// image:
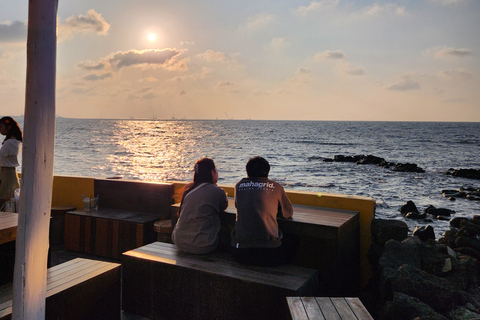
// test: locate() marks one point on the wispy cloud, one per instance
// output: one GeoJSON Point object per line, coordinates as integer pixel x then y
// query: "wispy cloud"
{"type": "Point", "coordinates": [448, 52]}
{"type": "Point", "coordinates": [220, 57]}
{"type": "Point", "coordinates": [330, 55]}
{"type": "Point", "coordinates": [95, 77]}
{"type": "Point", "coordinates": [150, 58]}
{"type": "Point", "coordinates": [91, 22]}
{"type": "Point", "coordinates": [387, 9]}
{"type": "Point", "coordinates": [460, 74]}
{"type": "Point", "coordinates": [447, 2]}
{"type": "Point", "coordinates": [404, 85]}
{"type": "Point", "coordinates": [13, 31]}
{"type": "Point", "coordinates": [258, 21]}
{"type": "Point", "coordinates": [353, 70]}
{"type": "Point", "coordinates": [316, 6]}
{"type": "Point", "coordinates": [278, 43]}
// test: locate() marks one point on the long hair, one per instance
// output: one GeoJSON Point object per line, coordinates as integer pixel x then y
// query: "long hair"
{"type": "Point", "coordinates": [202, 173]}
{"type": "Point", "coordinates": [14, 130]}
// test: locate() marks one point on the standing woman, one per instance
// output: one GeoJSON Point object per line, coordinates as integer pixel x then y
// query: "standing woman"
{"type": "Point", "coordinates": [198, 226]}
{"type": "Point", "coordinates": [9, 158]}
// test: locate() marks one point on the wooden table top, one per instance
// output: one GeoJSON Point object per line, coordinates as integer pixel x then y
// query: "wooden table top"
{"type": "Point", "coordinates": [8, 226]}
{"type": "Point", "coordinates": [116, 214]}
{"type": "Point", "coordinates": [325, 308]}
{"type": "Point", "coordinates": [326, 217]}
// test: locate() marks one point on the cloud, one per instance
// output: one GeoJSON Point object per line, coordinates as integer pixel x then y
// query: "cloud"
{"type": "Point", "coordinates": [225, 83]}
{"type": "Point", "coordinates": [211, 55]}
{"type": "Point", "coordinates": [388, 9]}
{"type": "Point", "coordinates": [333, 55]}
{"type": "Point", "coordinates": [446, 2]}
{"type": "Point", "coordinates": [258, 21]}
{"type": "Point", "coordinates": [278, 43]}
{"type": "Point", "coordinates": [404, 85]}
{"type": "Point", "coordinates": [94, 77]}
{"type": "Point", "coordinates": [150, 57]}
{"type": "Point", "coordinates": [92, 22]}
{"type": "Point", "coordinates": [316, 6]}
{"type": "Point", "coordinates": [447, 52]}
{"type": "Point", "coordinates": [15, 31]}
{"type": "Point", "coordinates": [220, 57]}
{"type": "Point", "coordinates": [354, 70]}
{"type": "Point", "coordinates": [460, 74]}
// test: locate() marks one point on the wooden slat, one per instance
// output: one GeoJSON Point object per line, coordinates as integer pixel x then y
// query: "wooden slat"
{"type": "Point", "coordinates": [286, 276]}
{"type": "Point", "coordinates": [343, 309]}
{"type": "Point", "coordinates": [328, 309]}
{"type": "Point", "coordinates": [325, 308]}
{"type": "Point", "coordinates": [62, 277]}
{"type": "Point", "coordinates": [312, 308]}
{"type": "Point", "coordinates": [359, 309]}
{"type": "Point", "coordinates": [297, 310]}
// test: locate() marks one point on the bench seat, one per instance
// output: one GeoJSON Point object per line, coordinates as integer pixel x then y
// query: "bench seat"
{"type": "Point", "coordinates": [159, 282]}
{"type": "Point", "coordinates": [325, 308]}
{"type": "Point", "coordinates": [79, 289]}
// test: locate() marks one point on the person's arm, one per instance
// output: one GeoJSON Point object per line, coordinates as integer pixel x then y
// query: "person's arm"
{"type": "Point", "coordinates": [285, 209]}
{"type": "Point", "coordinates": [224, 200]}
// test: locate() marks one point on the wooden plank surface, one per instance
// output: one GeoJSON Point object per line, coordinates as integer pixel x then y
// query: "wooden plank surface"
{"type": "Point", "coordinates": [285, 276]}
{"type": "Point", "coordinates": [120, 215]}
{"type": "Point", "coordinates": [8, 226]}
{"type": "Point", "coordinates": [69, 275]}
{"type": "Point", "coordinates": [327, 308]}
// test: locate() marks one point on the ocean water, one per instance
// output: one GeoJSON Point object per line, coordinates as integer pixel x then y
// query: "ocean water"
{"type": "Point", "coordinates": [165, 150]}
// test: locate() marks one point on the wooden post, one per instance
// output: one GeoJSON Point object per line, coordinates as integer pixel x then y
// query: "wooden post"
{"type": "Point", "coordinates": [30, 275]}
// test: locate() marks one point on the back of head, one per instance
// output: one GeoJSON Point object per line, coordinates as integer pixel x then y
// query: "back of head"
{"type": "Point", "coordinates": [203, 171]}
{"type": "Point", "coordinates": [258, 167]}
{"type": "Point", "coordinates": [13, 128]}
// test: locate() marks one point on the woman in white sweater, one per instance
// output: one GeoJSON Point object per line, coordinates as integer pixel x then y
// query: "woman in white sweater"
{"type": "Point", "coordinates": [9, 158]}
{"type": "Point", "coordinates": [198, 226]}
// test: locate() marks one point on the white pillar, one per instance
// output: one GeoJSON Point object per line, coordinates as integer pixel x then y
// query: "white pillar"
{"type": "Point", "coordinates": [30, 276]}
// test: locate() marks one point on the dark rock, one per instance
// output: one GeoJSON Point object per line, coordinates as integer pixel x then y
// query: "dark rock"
{"type": "Point", "coordinates": [403, 307]}
{"type": "Point", "coordinates": [439, 211]}
{"type": "Point", "coordinates": [443, 218]}
{"type": "Point", "coordinates": [455, 222]}
{"type": "Point", "coordinates": [415, 215]}
{"type": "Point", "coordinates": [453, 194]}
{"type": "Point", "coordinates": [384, 230]}
{"type": "Point", "coordinates": [340, 158]}
{"type": "Point", "coordinates": [409, 206]}
{"type": "Point", "coordinates": [397, 253]}
{"type": "Point", "coordinates": [462, 313]}
{"type": "Point", "coordinates": [464, 173]}
{"type": "Point", "coordinates": [466, 272]}
{"type": "Point", "coordinates": [468, 242]}
{"type": "Point", "coordinates": [369, 159]}
{"type": "Point", "coordinates": [437, 292]}
{"type": "Point", "coordinates": [424, 233]}
{"type": "Point", "coordinates": [407, 167]}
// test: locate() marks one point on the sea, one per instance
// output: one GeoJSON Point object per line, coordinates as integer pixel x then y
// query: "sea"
{"type": "Point", "coordinates": [166, 150]}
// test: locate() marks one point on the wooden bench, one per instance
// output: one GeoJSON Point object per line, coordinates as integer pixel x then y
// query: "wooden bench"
{"type": "Point", "coordinates": [159, 282]}
{"type": "Point", "coordinates": [78, 289]}
{"type": "Point", "coordinates": [329, 243]}
{"type": "Point", "coordinates": [124, 220]}
{"type": "Point", "coordinates": [324, 308]}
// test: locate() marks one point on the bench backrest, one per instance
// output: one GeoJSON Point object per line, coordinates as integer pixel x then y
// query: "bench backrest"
{"type": "Point", "coordinates": [135, 195]}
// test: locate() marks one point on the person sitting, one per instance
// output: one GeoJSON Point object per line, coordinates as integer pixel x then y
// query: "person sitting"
{"type": "Point", "coordinates": [9, 158]}
{"type": "Point", "coordinates": [198, 226]}
{"type": "Point", "coordinates": [256, 238]}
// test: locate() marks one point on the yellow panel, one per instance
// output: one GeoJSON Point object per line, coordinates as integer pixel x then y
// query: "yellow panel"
{"type": "Point", "coordinates": [67, 191]}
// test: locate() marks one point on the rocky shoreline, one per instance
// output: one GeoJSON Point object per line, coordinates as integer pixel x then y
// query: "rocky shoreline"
{"type": "Point", "coordinates": [416, 277]}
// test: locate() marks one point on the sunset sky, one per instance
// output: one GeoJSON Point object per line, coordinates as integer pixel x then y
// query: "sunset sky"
{"type": "Point", "coordinates": [405, 60]}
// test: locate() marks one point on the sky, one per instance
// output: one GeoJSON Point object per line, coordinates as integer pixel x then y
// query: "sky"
{"type": "Point", "coordinates": [404, 60]}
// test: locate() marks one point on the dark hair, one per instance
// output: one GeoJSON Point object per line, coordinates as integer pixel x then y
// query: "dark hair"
{"type": "Point", "coordinates": [258, 167]}
{"type": "Point", "coordinates": [202, 173]}
{"type": "Point", "coordinates": [14, 130]}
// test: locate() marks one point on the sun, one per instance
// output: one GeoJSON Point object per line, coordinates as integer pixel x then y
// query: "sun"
{"type": "Point", "coordinates": [151, 37]}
